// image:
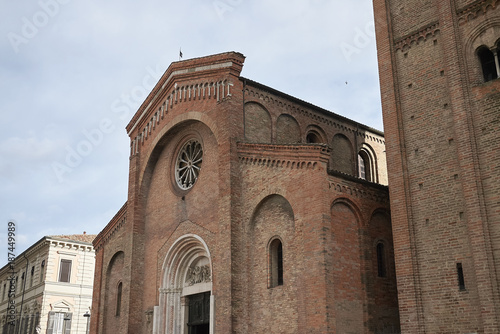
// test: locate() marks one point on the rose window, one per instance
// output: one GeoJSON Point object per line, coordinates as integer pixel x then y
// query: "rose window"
{"type": "Point", "coordinates": [188, 165]}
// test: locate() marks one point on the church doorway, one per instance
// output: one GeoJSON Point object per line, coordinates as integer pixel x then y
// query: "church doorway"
{"type": "Point", "coordinates": [199, 313]}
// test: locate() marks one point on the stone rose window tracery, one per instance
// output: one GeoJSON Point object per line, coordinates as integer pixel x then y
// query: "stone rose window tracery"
{"type": "Point", "coordinates": [188, 164]}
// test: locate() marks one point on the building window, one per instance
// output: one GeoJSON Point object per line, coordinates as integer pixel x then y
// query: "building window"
{"type": "Point", "coordinates": [364, 166]}
{"type": "Point", "coordinates": [381, 266]}
{"type": "Point", "coordinates": [65, 271]}
{"type": "Point", "coordinates": [313, 138]}
{"type": "Point", "coordinates": [4, 289]}
{"type": "Point", "coordinates": [32, 276]}
{"type": "Point", "coordinates": [118, 299]}
{"type": "Point", "coordinates": [489, 62]}
{"type": "Point", "coordinates": [42, 267]}
{"type": "Point", "coordinates": [276, 263]}
{"type": "Point", "coordinates": [460, 276]}
{"type": "Point", "coordinates": [59, 323]}
{"type": "Point", "coordinates": [188, 164]}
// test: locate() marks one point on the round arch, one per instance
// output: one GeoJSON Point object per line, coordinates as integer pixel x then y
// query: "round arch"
{"type": "Point", "coordinates": [152, 153]}
{"type": "Point", "coordinates": [186, 271]}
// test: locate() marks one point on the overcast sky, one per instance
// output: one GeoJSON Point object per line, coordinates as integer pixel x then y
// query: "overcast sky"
{"type": "Point", "coordinates": [64, 64]}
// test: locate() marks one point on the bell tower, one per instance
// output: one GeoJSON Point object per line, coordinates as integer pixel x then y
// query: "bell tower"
{"type": "Point", "coordinates": [439, 68]}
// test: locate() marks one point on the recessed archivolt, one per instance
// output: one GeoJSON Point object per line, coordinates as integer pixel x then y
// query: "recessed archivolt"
{"type": "Point", "coordinates": [184, 252]}
{"type": "Point", "coordinates": [155, 148]}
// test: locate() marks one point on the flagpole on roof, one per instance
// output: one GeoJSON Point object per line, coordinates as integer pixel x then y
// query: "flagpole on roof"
{"type": "Point", "coordinates": [180, 53]}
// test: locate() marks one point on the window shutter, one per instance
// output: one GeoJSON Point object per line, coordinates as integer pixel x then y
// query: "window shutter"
{"type": "Point", "coordinates": [50, 324]}
{"type": "Point", "coordinates": [67, 323]}
{"type": "Point", "coordinates": [65, 271]}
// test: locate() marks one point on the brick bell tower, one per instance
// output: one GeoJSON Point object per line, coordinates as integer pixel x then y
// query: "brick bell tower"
{"type": "Point", "coordinates": [439, 64]}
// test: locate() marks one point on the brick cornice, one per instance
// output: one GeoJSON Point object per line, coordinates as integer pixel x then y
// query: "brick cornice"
{"type": "Point", "coordinates": [229, 62]}
{"type": "Point", "coordinates": [114, 225]}
{"type": "Point", "coordinates": [416, 36]}
{"type": "Point", "coordinates": [475, 9]}
{"type": "Point", "coordinates": [381, 194]}
{"type": "Point", "coordinates": [283, 156]}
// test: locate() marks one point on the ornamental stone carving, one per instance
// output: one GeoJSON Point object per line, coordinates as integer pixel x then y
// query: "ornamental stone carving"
{"type": "Point", "coordinates": [198, 274]}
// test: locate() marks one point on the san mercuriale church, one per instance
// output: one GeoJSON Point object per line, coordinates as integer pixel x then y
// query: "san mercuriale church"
{"type": "Point", "coordinates": [253, 211]}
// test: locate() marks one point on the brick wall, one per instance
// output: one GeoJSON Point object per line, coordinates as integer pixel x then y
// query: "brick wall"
{"type": "Point", "coordinates": [259, 180]}
{"type": "Point", "coordinates": [436, 119]}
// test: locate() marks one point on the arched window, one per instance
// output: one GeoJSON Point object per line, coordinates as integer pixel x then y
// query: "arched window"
{"type": "Point", "coordinates": [488, 65]}
{"type": "Point", "coordinates": [313, 138]}
{"type": "Point", "coordinates": [276, 263]}
{"type": "Point", "coordinates": [365, 166]}
{"type": "Point", "coordinates": [381, 266]}
{"type": "Point", "coordinates": [118, 299]}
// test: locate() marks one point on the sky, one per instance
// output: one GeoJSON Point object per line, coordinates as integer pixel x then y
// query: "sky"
{"type": "Point", "coordinates": [66, 64]}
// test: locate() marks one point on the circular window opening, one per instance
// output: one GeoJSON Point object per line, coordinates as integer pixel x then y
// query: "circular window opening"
{"type": "Point", "coordinates": [188, 164]}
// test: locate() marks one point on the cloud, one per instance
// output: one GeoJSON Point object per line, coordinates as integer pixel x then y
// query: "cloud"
{"type": "Point", "coordinates": [62, 84]}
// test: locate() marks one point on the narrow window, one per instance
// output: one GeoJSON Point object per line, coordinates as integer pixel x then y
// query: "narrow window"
{"type": "Point", "coordinates": [364, 166]}
{"type": "Point", "coordinates": [32, 276]}
{"type": "Point", "coordinates": [42, 267]}
{"type": "Point", "coordinates": [4, 288]}
{"type": "Point", "coordinates": [65, 271]}
{"type": "Point", "coordinates": [460, 276]}
{"type": "Point", "coordinates": [276, 255]}
{"type": "Point", "coordinates": [21, 287]}
{"type": "Point", "coordinates": [487, 59]}
{"type": "Point", "coordinates": [381, 268]}
{"type": "Point", "coordinates": [361, 167]}
{"type": "Point", "coordinates": [118, 299]}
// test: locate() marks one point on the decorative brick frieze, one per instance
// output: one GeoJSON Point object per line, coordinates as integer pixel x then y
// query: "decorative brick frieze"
{"type": "Point", "coordinates": [283, 156]}
{"type": "Point", "coordinates": [475, 9]}
{"type": "Point", "coordinates": [359, 192]}
{"type": "Point", "coordinates": [421, 34]}
{"type": "Point", "coordinates": [213, 90]}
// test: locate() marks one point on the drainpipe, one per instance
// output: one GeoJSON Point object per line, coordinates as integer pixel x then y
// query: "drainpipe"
{"type": "Point", "coordinates": [22, 296]}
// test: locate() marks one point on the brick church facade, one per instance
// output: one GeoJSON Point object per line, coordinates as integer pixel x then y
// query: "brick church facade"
{"type": "Point", "coordinates": [438, 65]}
{"type": "Point", "coordinates": [249, 211]}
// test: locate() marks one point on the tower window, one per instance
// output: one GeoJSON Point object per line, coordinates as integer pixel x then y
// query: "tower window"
{"type": "Point", "coordinates": [381, 267]}
{"type": "Point", "coordinates": [460, 276]}
{"type": "Point", "coordinates": [276, 263]}
{"type": "Point", "coordinates": [118, 299]}
{"type": "Point", "coordinates": [489, 63]}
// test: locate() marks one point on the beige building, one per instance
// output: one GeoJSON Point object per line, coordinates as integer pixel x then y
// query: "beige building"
{"type": "Point", "coordinates": [53, 289]}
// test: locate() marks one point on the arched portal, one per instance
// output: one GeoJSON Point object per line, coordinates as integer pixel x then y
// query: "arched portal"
{"type": "Point", "coordinates": [186, 300]}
